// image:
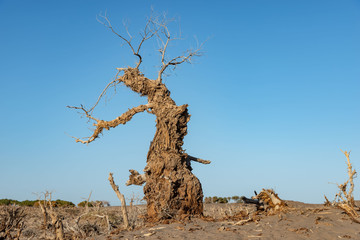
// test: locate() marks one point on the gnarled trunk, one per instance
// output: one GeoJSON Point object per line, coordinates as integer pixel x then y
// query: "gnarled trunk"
{"type": "Point", "coordinates": [171, 189]}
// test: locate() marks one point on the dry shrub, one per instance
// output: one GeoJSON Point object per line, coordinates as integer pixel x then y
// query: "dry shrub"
{"type": "Point", "coordinates": [344, 199]}
{"type": "Point", "coordinates": [11, 222]}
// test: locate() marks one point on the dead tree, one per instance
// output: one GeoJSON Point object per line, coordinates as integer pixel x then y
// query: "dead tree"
{"type": "Point", "coordinates": [345, 198]}
{"type": "Point", "coordinates": [171, 188]}
{"type": "Point", "coordinates": [47, 209]}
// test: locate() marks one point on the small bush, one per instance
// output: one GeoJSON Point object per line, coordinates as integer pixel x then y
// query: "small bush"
{"type": "Point", "coordinates": [83, 204]}
{"type": "Point", "coordinates": [34, 203]}
{"type": "Point", "coordinates": [62, 203]}
{"type": "Point", "coordinates": [222, 200]}
{"type": "Point", "coordinates": [217, 199]}
{"type": "Point", "coordinates": [27, 203]}
{"type": "Point", "coordinates": [8, 202]}
{"type": "Point", "coordinates": [208, 200]}
{"type": "Point", "coordinates": [92, 204]}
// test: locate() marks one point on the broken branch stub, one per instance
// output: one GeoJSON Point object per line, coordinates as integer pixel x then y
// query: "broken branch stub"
{"type": "Point", "coordinates": [135, 178]}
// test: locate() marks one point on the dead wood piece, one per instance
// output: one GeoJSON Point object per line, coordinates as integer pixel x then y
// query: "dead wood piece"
{"type": "Point", "coordinates": [350, 211]}
{"type": "Point", "coordinates": [122, 200]}
{"type": "Point", "coordinates": [272, 202]}
{"type": "Point", "coordinates": [250, 201]}
{"type": "Point", "coordinates": [242, 222]}
{"type": "Point", "coordinates": [327, 203]}
{"type": "Point", "coordinates": [87, 229]}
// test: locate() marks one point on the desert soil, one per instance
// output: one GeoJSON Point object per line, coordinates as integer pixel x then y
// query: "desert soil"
{"type": "Point", "coordinates": [222, 221]}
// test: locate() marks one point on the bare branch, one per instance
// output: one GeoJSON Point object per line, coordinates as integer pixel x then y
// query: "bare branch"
{"type": "Point", "coordinates": [149, 31]}
{"type": "Point", "coordinates": [100, 124]}
{"type": "Point", "coordinates": [127, 29]}
{"type": "Point", "coordinates": [106, 22]}
{"type": "Point", "coordinates": [110, 84]}
{"type": "Point", "coordinates": [164, 37]}
{"type": "Point", "coordinates": [86, 112]}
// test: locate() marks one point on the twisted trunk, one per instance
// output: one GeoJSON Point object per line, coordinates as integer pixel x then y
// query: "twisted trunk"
{"type": "Point", "coordinates": [171, 189]}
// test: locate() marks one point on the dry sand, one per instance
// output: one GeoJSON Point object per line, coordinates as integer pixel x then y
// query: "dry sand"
{"type": "Point", "coordinates": [301, 221]}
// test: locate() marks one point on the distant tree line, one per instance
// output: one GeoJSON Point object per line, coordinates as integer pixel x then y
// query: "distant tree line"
{"type": "Point", "coordinates": [216, 199]}
{"type": "Point", "coordinates": [34, 203]}
{"type": "Point", "coordinates": [56, 203]}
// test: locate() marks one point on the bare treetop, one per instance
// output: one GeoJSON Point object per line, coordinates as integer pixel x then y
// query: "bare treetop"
{"type": "Point", "coordinates": [155, 27]}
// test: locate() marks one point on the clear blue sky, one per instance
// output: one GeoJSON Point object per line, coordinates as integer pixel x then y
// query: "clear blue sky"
{"type": "Point", "coordinates": [273, 99]}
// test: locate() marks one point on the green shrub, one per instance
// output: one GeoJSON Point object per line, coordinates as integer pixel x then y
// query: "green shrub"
{"type": "Point", "coordinates": [83, 204]}
{"type": "Point", "coordinates": [27, 203]}
{"type": "Point", "coordinates": [8, 202]}
{"type": "Point", "coordinates": [216, 199]}
{"type": "Point", "coordinates": [34, 203]}
{"type": "Point", "coordinates": [62, 203]}
{"type": "Point", "coordinates": [235, 198]}
{"type": "Point", "coordinates": [222, 200]}
{"type": "Point", "coordinates": [92, 204]}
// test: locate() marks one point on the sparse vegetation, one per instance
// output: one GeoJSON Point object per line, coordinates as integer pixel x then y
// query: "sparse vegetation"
{"type": "Point", "coordinates": [8, 202]}
{"type": "Point", "coordinates": [83, 204]}
{"type": "Point", "coordinates": [215, 199]}
{"type": "Point", "coordinates": [62, 203]}
{"type": "Point", "coordinates": [11, 222]}
{"type": "Point", "coordinates": [34, 203]}
{"type": "Point", "coordinates": [222, 221]}
{"type": "Point", "coordinates": [344, 199]}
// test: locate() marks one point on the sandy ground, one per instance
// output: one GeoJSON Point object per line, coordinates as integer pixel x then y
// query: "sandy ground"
{"type": "Point", "coordinates": [303, 221]}
{"type": "Point", "coordinates": [300, 221]}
